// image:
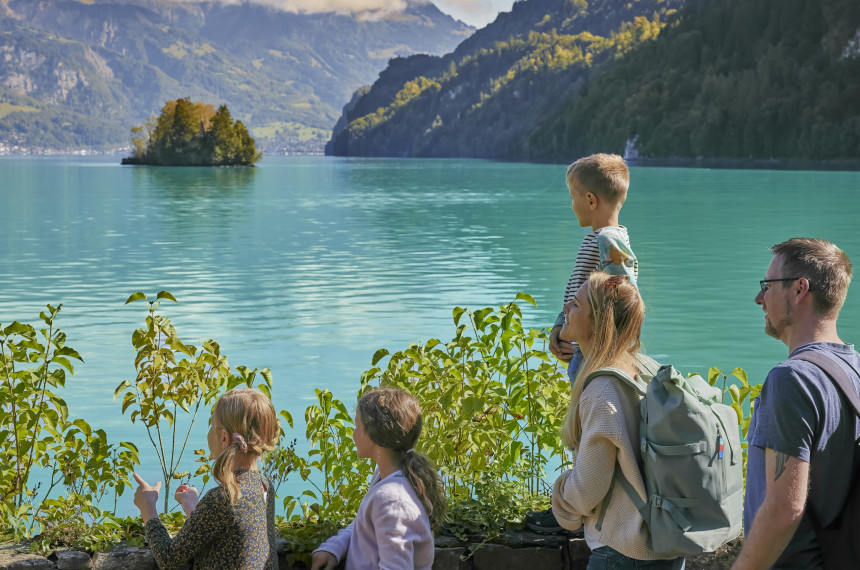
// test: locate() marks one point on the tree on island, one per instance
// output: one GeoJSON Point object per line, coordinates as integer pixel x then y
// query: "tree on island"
{"type": "Point", "coordinates": [192, 134]}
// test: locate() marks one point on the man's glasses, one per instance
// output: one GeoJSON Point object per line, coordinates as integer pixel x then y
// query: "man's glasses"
{"type": "Point", "coordinates": [764, 282]}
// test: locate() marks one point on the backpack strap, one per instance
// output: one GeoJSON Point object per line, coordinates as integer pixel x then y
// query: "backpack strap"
{"type": "Point", "coordinates": [846, 387]}
{"type": "Point", "coordinates": [625, 378]}
{"type": "Point", "coordinates": [836, 374]}
{"type": "Point", "coordinates": [670, 505]}
{"type": "Point", "coordinates": [648, 364]}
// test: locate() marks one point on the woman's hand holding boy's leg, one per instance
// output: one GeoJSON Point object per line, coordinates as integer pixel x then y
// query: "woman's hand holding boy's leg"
{"type": "Point", "coordinates": [562, 349]}
{"type": "Point", "coordinates": [322, 560]}
{"type": "Point", "coordinates": [187, 497]}
{"type": "Point", "coordinates": [146, 498]}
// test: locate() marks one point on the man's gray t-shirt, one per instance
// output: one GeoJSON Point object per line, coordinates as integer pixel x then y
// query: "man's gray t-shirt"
{"type": "Point", "coordinates": [800, 413]}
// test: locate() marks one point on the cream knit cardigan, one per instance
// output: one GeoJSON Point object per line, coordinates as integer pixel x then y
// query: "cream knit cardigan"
{"type": "Point", "coordinates": [610, 416]}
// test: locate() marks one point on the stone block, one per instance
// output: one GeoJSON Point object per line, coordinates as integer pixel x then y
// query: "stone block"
{"type": "Point", "coordinates": [498, 557]}
{"type": "Point", "coordinates": [36, 563]}
{"type": "Point", "coordinates": [449, 559]}
{"type": "Point", "coordinates": [526, 538]}
{"type": "Point", "coordinates": [124, 558]}
{"type": "Point", "coordinates": [73, 560]}
{"type": "Point", "coordinates": [577, 554]}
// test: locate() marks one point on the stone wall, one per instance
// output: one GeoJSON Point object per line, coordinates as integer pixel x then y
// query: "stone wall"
{"type": "Point", "coordinates": [514, 551]}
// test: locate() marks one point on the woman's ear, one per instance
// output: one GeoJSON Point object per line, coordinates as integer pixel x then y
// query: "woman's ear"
{"type": "Point", "coordinates": [226, 439]}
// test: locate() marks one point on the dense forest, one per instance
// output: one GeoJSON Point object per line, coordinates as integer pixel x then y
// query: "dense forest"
{"type": "Point", "coordinates": [752, 79]}
{"type": "Point", "coordinates": [192, 134]}
{"type": "Point", "coordinates": [734, 79]}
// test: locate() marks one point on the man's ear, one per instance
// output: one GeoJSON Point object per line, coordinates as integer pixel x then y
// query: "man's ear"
{"type": "Point", "coordinates": [801, 289]}
{"type": "Point", "coordinates": [593, 200]}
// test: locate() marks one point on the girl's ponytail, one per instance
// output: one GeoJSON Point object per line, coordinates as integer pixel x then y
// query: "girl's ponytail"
{"type": "Point", "coordinates": [223, 472]}
{"type": "Point", "coordinates": [425, 480]}
{"type": "Point", "coordinates": [392, 419]}
{"type": "Point", "coordinates": [250, 419]}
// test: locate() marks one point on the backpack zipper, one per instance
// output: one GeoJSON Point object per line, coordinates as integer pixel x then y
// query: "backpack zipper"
{"type": "Point", "coordinates": [721, 456]}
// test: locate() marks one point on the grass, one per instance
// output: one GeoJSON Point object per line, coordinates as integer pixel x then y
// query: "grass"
{"type": "Point", "coordinates": [180, 50]}
{"type": "Point", "coordinates": [293, 130]}
{"type": "Point", "coordinates": [7, 108]}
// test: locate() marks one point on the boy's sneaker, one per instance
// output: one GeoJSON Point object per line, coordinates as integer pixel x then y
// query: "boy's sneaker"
{"type": "Point", "coordinates": [543, 522]}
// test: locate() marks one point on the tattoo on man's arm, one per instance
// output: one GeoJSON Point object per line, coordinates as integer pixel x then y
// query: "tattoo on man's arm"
{"type": "Point", "coordinates": [781, 461]}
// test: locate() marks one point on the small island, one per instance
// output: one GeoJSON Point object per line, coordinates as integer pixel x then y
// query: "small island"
{"type": "Point", "coordinates": [192, 134]}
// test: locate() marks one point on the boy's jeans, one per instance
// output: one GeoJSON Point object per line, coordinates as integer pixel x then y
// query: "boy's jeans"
{"type": "Point", "coordinates": [605, 558]}
{"type": "Point", "coordinates": [574, 364]}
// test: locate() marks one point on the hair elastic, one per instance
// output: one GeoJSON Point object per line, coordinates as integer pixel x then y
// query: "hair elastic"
{"type": "Point", "coordinates": [241, 441]}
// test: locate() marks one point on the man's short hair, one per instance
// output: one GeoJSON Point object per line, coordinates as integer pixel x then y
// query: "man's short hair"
{"type": "Point", "coordinates": [827, 268]}
{"type": "Point", "coordinates": [605, 175]}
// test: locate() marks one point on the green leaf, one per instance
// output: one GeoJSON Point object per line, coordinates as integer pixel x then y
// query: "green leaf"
{"type": "Point", "coordinates": [288, 417]}
{"type": "Point", "coordinates": [458, 312]}
{"type": "Point", "coordinates": [136, 297]}
{"type": "Point", "coordinates": [713, 375]}
{"type": "Point", "coordinates": [527, 298]}
{"type": "Point", "coordinates": [265, 390]}
{"type": "Point", "coordinates": [119, 389]}
{"type": "Point", "coordinates": [166, 295]}
{"type": "Point", "coordinates": [378, 355]}
{"type": "Point", "coordinates": [64, 362]}
{"type": "Point", "coordinates": [736, 395]}
{"type": "Point", "coordinates": [741, 375]}
{"type": "Point", "coordinates": [67, 351]}
{"type": "Point", "coordinates": [740, 411]}
{"type": "Point", "coordinates": [267, 376]}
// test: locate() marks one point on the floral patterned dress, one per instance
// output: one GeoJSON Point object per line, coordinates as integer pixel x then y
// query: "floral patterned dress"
{"type": "Point", "coordinates": [218, 535]}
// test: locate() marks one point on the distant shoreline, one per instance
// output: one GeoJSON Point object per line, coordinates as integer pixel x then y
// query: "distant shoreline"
{"type": "Point", "coordinates": [749, 164]}
{"type": "Point", "coordinates": [675, 162]}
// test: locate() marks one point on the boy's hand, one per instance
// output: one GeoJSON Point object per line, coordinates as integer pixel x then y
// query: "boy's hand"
{"type": "Point", "coordinates": [562, 349]}
{"type": "Point", "coordinates": [187, 497]}
{"type": "Point", "coordinates": [322, 560]}
{"type": "Point", "coordinates": [146, 498]}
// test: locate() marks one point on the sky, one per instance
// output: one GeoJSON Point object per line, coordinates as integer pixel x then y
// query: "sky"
{"type": "Point", "coordinates": [478, 13]}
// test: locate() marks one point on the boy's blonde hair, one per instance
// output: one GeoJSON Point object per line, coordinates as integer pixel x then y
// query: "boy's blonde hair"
{"type": "Point", "coordinates": [605, 175]}
{"type": "Point", "coordinates": [249, 413]}
{"type": "Point", "coordinates": [617, 313]}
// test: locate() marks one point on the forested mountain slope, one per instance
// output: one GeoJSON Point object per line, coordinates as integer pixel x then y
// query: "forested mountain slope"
{"type": "Point", "coordinates": [483, 99]}
{"type": "Point", "coordinates": [724, 78]}
{"type": "Point", "coordinates": [748, 79]}
{"type": "Point", "coordinates": [82, 72]}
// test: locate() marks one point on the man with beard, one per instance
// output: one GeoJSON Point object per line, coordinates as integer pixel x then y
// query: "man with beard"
{"type": "Point", "coordinates": [803, 433]}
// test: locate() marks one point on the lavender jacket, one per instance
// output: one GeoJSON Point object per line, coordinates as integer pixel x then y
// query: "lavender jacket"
{"type": "Point", "coordinates": [390, 532]}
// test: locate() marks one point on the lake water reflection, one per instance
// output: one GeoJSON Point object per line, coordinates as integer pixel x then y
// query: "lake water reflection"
{"type": "Point", "coordinates": [308, 265]}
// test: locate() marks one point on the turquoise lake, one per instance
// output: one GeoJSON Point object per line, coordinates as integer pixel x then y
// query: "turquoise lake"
{"type": "Point", "coordinates": [308, 265]}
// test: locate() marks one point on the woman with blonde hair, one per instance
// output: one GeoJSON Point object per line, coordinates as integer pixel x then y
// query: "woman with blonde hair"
{"type": "Point", "coordinates": [602, 428]}
{"type": "Point", "coordinates": [233, 525]}
{"type": "Point", "coordinates": [393, 529]}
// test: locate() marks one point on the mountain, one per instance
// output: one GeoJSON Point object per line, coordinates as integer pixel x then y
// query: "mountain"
{"type": "Point", "coordinates": [557, 79]}
{"type": "Point", "coordinates": [483, 99]}
{"type": "Point", "coordinates": [733, 79]}
{"type": "Point", "coordinates": [79, 73]}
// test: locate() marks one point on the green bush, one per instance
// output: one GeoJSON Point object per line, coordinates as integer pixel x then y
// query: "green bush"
{"type": "Point", "coordinates": [37, 434]}
{"type": "Point", "coordinates": [493, 403]}
{"type": "Point", "coordinates": [174, 377]}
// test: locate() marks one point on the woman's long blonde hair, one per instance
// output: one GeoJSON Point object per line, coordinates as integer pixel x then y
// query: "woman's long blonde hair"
{"type": "Point", "coordinates": [392, 419]}
{"type": "Point", "coordinates": [251, 415]}
{"type": "Point", "coordinates": [617, 312]}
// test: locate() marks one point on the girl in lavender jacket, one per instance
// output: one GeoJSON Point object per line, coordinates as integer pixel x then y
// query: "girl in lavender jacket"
{"type": "Point", "coordinates": [405, 501]}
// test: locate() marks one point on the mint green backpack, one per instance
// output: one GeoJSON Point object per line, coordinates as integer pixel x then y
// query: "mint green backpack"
{"type": "Point", "coordinates": [692, 464]}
